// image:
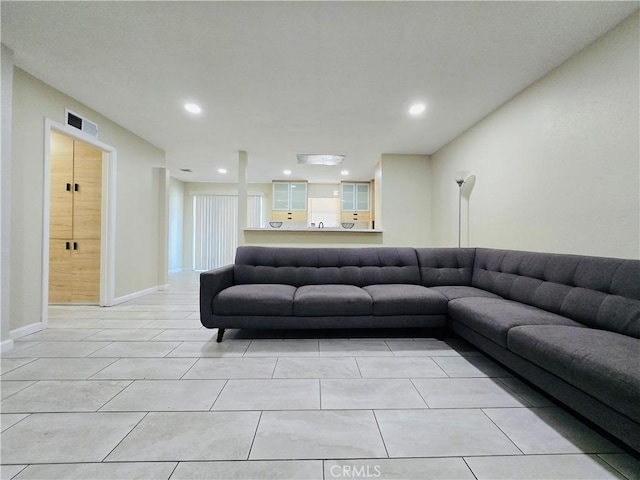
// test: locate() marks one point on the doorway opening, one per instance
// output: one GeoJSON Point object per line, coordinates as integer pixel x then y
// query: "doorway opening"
{"type": "Point", "coordinates": [78, 220]}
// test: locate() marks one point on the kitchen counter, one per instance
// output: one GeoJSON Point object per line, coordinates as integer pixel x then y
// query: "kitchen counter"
{"type": "Point", "coordinates": [314, 230]}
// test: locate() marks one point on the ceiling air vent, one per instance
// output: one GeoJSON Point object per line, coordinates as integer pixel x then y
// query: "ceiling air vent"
{"type": "Point", "coordinates": [81, 123]}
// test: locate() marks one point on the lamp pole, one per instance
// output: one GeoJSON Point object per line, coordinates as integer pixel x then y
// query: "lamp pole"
{"type": "Point", "coordinates": [460, 182]}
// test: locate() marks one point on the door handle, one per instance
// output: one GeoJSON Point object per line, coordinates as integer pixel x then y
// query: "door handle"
{"type": "Point", "coordinates": [67, 245]}
{"type": "Point", "coordinates": [68, 187]}
{"type": "Point", "coordinates": [76, 187]}
{"type": "Point", "coordinates": [75, 245]}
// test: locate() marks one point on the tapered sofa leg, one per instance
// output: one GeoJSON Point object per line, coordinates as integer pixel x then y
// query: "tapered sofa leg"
{"type": "Point", "coordinates": [220, 334]}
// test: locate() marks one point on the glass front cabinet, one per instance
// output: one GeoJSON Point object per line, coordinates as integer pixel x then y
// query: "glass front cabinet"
{"type": "Point", "coordinates": [355, 202]}
{"type": "Point", "coordinates": [289, 201]}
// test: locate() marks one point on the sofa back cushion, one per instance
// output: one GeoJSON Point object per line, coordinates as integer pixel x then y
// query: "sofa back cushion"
{"type": "Point", "coordinates": [440, 267]}
{"type": "Point", "coordinates": [317, 266]}
{"type": "Point", "coordinates": [598, 292]}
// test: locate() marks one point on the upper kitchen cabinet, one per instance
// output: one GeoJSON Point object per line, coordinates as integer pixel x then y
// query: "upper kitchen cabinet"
{"type": "Point", "coordinates": [355, 202]}
{"type": "Point", "coordinates": [289, 201]}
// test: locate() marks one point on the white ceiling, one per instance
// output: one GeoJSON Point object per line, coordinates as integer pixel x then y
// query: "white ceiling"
{"type": "Point", "coordinates": [280, 78]}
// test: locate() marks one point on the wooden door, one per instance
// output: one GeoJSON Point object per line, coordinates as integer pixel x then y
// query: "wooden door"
{"type": "Point", "coordinates": [61, 186]}
{"type": "Point", "coordinates": [85, 266]}
{"type": "Point", "coordinates": [76, 221]}
{"type": "Point", "coordinates": [87, 190]}
{"type": "Point", "coordinates": [60, 271]}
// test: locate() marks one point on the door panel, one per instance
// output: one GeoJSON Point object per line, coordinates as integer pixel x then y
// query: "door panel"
{"type": "Point", "coordinates": [299, 196]}
{"type": "Point", "coordinates": [347, 196]}
{"type": "Point", "coordinates": [86, 270]}
{"type": "Point", "coordinates": [61, 195]}
{"type": "Point", "coordinates": [60, 276]}
{"type": "Point", "coordinates": [281, 196]}
{"type": "Point", "coordinates": [87, 195]}
{"type": "Point", "coordinates": [362, 197]}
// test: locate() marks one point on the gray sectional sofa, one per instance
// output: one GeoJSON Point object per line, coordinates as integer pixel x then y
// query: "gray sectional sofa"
{"type": "Point", "coordinates": [569, 324]}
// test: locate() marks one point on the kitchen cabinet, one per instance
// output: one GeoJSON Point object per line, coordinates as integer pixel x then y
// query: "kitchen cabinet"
{"type": "Point", "coordinates": [289, 201]}
{"type": "Point", "coordinates": [355, 202]}
{"type": "Point", "coordinates": [75, 221]}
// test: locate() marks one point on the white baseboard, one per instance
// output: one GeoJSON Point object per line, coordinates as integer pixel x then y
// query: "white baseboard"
{"type": "Point", "coordinates": [26, 330]}
{"type": "Point", "coordinates": [134, 295]}
{"type": "Point", "coordinates": [6, 345]}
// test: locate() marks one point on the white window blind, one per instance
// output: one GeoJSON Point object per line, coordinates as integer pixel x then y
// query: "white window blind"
{"type": "Point", "coordinates": [215, 228]}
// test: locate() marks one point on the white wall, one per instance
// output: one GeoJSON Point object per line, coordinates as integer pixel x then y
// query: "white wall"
{"type": "Point", "coordinates": [6, 79]}
{"type": "Point", "coordinates": [176, 224]}
{"type": "Point", "coordinates": [404, 212]}
{"type": "Point", "coordinates": [558, 167]}
{"type": "Point", "coordinates": [138, 190]}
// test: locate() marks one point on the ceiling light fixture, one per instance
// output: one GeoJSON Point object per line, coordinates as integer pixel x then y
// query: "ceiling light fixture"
{"type": "Point", "coordinates": [287, 172]}
{"type": "Point", "coordinates": [186, 170]}
{"type": "Point", "coordinates": [222, 170]}
{"type": "Point", "coordinates": [319, 159]}
{"type": "Point", "coordinates": [192, 108]}
{"type": "Point", "coordinates": [417, 109]}
{"type": "Point", "coordinates": [344, 172]}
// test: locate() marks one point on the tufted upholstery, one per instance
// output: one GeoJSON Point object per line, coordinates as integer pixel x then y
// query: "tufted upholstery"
{"type": "Point", "coordinates": [322, 266]}
{"type": "Point", "coordinates": [445, 266]}
{"type": "Point", "coordinates": [598, 292]}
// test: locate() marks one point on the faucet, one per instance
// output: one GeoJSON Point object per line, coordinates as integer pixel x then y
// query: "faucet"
{"type": "Point", "coordinates": [321, 225]}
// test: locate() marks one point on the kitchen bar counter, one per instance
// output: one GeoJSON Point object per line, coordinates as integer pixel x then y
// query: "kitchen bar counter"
{"type": "Point", "coordinates": [309, 237]}
{"type": "Point", "coordinates": [314, 230]}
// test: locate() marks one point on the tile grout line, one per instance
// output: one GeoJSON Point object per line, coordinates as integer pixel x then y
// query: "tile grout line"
{"type": "Point", "coordinates": [226, 382]}
{"type": "Point", "coordinates": [131, 382]}
{"type": "Point", "coordinates": [255, 434]}
{"type": "Point", "coordinates": [190, 368]}
{"type": "Point", "coordinates": [355, 359]}
{"type": "Point", "coordinates": [172, 350]}
{"type": "Point", "coordinates": [380, 432]}
{"type": "Point", "coordinates": [275, 367]}
{"type": "Point", "coordinates": [502, 431]}
{"type": "Point", "coordinates": [464, 459]}
{"type": "Point", "coordinates": [420, 393]}
{"type": "Point", "coordinates": [123, 438]}
{"type": "Point", "coordinates": [175, 467]}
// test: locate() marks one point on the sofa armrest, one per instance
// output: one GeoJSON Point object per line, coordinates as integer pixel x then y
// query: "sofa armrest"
{"type": "Point", "coordinates": [213, 282]}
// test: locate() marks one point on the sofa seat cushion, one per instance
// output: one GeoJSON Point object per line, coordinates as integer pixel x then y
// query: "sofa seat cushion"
{"type": "Point", "coordinates": [494, 317]}
{"type": "Point", "coordinates": [325, 300]}
{"type": "Point", "coordinates": [606, 365]}
{"type": "Point", "coordinates": [454, 291]}
{"type": "Point", "coordinates": [261, 299]}
{"type": "Point", "coordinates": [406, 300]}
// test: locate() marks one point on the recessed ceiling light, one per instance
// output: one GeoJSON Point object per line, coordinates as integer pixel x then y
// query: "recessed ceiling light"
{"type": "Point", "coordinates": [417, 109]}
{"type": "Point", "coordinates": [344, 172]}
{"type": "Point", "coordinates": [192, 108]}
{"type": "Point", "coordinates": [287, 172]}
{"type": "Point", "coordinates": [319, 159]}
{"type": "Point", "coordinates": [222, 170]}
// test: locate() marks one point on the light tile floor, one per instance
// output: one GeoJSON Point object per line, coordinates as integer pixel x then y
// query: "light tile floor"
{"type": "Point", "coordinates": [141, 390]}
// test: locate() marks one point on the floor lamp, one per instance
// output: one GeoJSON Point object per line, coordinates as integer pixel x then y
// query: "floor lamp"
{"type": "Point", "coordinates": [461, 178]}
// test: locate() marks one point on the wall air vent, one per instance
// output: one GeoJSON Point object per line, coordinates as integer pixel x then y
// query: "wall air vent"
{"type": "Point", "coordinates": [76, 121]}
